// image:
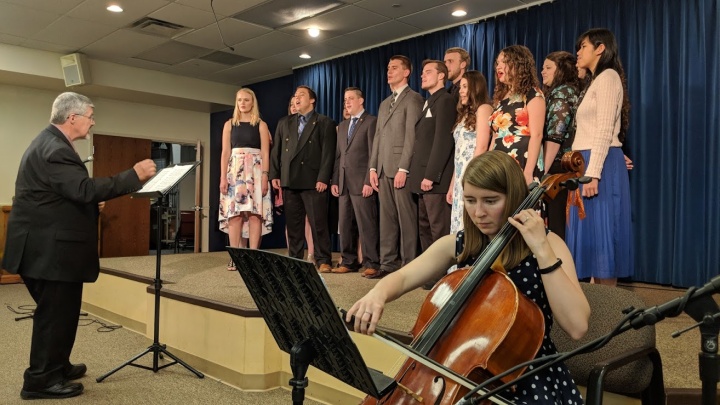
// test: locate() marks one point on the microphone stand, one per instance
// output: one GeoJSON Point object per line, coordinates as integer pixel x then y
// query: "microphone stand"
{"type": "Point", "coordinates": [637, 319]}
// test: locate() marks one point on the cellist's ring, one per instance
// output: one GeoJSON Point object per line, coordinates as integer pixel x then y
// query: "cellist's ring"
{"type": "Point", "coordinates": [527, 217]}
{"type": "Point", "coordinates": [368, 312]}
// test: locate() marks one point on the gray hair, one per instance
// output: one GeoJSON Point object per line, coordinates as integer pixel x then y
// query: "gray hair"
{"type": "Point", "coordinates": [66, 104]}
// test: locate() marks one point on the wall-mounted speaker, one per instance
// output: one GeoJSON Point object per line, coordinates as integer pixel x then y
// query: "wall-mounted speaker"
{"type": "Point", "coordinates": [75, 69]}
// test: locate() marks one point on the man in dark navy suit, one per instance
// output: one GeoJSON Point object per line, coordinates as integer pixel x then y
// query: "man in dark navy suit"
{"type": "Point", "coordinates": [52, 240]}
{"type": "Point", "coordinates": [301, 164]}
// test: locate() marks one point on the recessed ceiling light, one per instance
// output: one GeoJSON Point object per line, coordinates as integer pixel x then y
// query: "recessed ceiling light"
{"type": "Point", "coordinates": [459, 13]}
{"type": "Point", "coordinates": [314, 32]}
{"type": "Point", "coordinates": [115, 8]}
{"type": "Point", "coordinates": [305, 56]}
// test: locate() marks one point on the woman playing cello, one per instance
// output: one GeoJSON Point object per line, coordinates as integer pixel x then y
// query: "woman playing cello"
{"type": "Point", "coordinates": [537, 262]}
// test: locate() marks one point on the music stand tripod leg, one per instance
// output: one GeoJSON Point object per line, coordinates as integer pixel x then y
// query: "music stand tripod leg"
{"type": "Point", "coordinates": [301, 355]}
{"type": "Point", "coordinates": [156, 348]}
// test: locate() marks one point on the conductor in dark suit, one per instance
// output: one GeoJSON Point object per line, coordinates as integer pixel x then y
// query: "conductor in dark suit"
{"type": "Point", "coordinates": [432, 164]}
{"type": "Point", "coordinates": [358, 205]}
{"type": "Point", "coordinates": [301, 164]}
{"type": "Point", "coordinates": [389, 168]}
{"type": "Point", "coordinates": [52, 240]}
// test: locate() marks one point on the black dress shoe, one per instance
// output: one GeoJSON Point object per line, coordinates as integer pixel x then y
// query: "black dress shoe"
{"type": "Point", "coordinates": [76, 371]}
{"type": "Point", "coordinates": [62, 389]}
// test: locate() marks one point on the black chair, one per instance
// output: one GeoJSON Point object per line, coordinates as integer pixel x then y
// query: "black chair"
{"type": "Point", "coordinates": [185, 236]}
{"type": "Point", "coordinates": [628, 365]}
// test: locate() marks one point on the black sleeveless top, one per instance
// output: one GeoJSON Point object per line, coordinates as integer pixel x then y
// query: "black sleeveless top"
{"type": "Point", "coordinates": [245, 135]}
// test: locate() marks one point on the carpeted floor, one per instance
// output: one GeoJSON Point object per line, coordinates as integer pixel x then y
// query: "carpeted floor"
{"type": "Point", "coordinates": [103, 351]}
{"type": "Point", "coordinates": [205, 275]}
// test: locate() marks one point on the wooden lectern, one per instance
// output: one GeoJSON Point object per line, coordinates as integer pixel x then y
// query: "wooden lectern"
{"type": "Point", "coordinates": [5, 277]}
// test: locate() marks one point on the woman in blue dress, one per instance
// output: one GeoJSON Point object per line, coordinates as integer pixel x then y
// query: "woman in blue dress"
{"type": "Point", "coordinates": [537, 262]}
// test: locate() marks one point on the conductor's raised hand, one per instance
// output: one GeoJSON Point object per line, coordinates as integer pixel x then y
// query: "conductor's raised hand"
{"type": "Point", "coordinates": [145, 169]}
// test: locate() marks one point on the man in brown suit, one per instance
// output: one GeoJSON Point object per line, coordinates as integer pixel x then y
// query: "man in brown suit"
{"type": "Point", "coordinates": [358, 206]}
{"type": "Point", "coordinates": [389, 168]}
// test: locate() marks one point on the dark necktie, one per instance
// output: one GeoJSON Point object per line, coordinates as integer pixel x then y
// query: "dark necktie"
{"type": "Point", "coordinates": [392, 103]}
{"type": "Point", "coordinates": [352, 127]}
{"type": "Point", "coordinates": [301, 125]}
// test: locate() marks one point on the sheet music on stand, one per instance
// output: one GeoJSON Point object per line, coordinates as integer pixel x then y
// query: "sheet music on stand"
{"type": "Point", "coordinates": [165, 179]}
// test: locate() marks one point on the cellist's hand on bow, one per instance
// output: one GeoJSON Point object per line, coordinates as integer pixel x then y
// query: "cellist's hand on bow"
{"type": "Point", "coordinates": [368, 311]}
{"type": "Point", "coordinates": [532, 228]}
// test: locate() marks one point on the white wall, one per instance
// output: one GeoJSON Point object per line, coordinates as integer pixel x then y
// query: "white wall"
{"type": "Point", "coordinates": [24, 112]}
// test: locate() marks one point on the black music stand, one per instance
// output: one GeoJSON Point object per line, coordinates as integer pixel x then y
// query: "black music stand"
{"type": "Point", "coordinates": [304, 321]}
{"type": "Point", "coordinates": [157, 187]}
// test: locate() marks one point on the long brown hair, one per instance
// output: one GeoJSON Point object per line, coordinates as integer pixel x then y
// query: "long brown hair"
{"type": "Point", "coordinates": [477, 96]}
{"type": "Point", "coordinates": [495, 171]}
{"type": "Point", "coordinates": [566, 73]}
{"type": "Point", "coordinates": [522, 73]}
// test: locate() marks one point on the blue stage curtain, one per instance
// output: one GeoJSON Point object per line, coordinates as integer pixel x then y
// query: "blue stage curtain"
{"type": "Point", "coordinates": [671, 53]}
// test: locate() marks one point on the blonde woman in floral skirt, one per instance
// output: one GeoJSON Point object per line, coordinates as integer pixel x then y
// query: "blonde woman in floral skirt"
{"type": "Point", "coordinates": [244, 198]}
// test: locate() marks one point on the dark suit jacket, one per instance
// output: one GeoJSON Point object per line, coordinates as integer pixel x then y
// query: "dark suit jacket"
{"type": "Point", "coordinates": [395, 133]}
{"type": "Point", "coordinates": [52, 229]}
{"type": "Point", "coordinates": [434, 151]}
{"type": "Point", "coordinates": [300, 164]}
{"type": "Point", "coordinates": [351, 159]}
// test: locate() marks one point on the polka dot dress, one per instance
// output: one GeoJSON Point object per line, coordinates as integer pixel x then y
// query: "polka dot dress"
{"type": "Point", "coordinates": [552, 386]}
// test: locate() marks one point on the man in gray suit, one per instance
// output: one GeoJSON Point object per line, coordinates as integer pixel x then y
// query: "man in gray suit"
{"type": "Point", "coordinates": [389, 168]}
{"type": "Point", "coordinates": [52, 240]}
{"type": "Point", "coordinates": [358, 206]}
{"type": "Point", "coordinates": [301, 164]}
{"type": "Point", "coordinates": [432, 164]}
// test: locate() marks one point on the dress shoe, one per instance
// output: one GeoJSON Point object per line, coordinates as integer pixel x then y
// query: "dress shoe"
{"type": "Point", "coordinates": [62, 389]}
{"type": "Point", "coordinates": [343, 270]}
{"type": "Point", "coordinates": [325, 268]}
{"type": "Point", "coordinates": [76, 371]}
{"type": "Point", "coordinates": [368, 271]}
{"type": "Point", "coordinates": [376, 274]}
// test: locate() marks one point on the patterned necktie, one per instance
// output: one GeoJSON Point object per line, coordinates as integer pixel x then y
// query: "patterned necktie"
{"type": "Point", "coordinates": [352, 127]}
{"type": "Point", "coordinates": [392, 103]}
{"type": "Point", "coordinates": [301, 125]}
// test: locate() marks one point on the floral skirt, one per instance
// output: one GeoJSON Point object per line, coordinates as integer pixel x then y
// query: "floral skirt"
{"type": "Point", "coordinates": [244, 194]}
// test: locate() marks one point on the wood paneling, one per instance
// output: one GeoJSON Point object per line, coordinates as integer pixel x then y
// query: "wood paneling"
{"type": "Point", "coordinates": [5, 277]}
{"type": "Point", "coordinates": [125, 220]}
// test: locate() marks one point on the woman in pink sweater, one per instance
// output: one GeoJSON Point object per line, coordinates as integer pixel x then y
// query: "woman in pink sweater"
{"type": "Point", "coordinates": [602, 243]}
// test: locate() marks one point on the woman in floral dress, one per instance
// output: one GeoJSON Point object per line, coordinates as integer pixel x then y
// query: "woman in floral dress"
{"type": "Point", "coordinates": [519, 116]}
{"type": "Point", "coordinates": [244, 185]}
{"type": "Point", "coordinates": [472, 137]}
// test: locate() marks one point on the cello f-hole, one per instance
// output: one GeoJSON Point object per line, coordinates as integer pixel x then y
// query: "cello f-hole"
{"type": "Point", "coordinates": [440, 396]}
{"type": "Point", "coordinates": [411, 366]}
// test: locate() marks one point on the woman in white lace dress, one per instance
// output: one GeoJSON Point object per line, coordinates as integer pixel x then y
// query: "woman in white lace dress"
{"type": "Point", "coordinates": [472, 137]}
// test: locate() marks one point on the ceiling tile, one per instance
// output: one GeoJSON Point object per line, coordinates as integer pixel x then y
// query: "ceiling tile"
{"type": "Point", "coordinates": [270, 44]}
{"type": "Point", "coordinates": [233, 31]}
{"type": "Point", "coordinates": [140, 63]}
{"type": "Point", "coordinates": [123, 44]}
{"type": "Point", "coordinates": [246, 71]}
{"type": "Point", "coordinates": [440, 16]}
{"type": "Point", "coordinates": [316, 51]}
{"type": "Point", "coordinates": [11, 39]}
{"type": "Point", "coordinates": [54, 6]}
{"type": "Point", "coordinates": [195, 68]}
{"type": "Point", "coordinates": [46, 46]}
{"type": "Point", "coordinates": [132, 10]}
{"type": "Point", "coordinates": [338, 22]}
{"type": "Point", "coordinates": [399, 8]}
{"type": "Point", "coordinates": [23, 21]}
{"type": "Point", "coordinates": [172, 52]}
{"type": "Point", "coordinates": [372, 36]}
{"type": "Point", "coordinates": [259, 79]}
{"type": "Point", "coordinates": [223, 8]}
{"type": "Point", "coordinates": [184, 15]}
{"type": "Point", "coordinates": [73, 32]}
{"type": "Point", "coordinates": [278, 13]}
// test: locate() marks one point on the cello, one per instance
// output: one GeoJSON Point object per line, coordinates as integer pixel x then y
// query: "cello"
{"type": "Point", "coordinates": [475, 324]}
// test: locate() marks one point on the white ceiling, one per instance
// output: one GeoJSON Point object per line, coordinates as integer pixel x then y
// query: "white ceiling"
{"type": "Point", "coordinates": [268, 35]}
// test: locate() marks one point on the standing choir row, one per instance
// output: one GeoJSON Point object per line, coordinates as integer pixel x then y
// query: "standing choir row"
{"type": "Point", "coordinates": [399, 175]}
